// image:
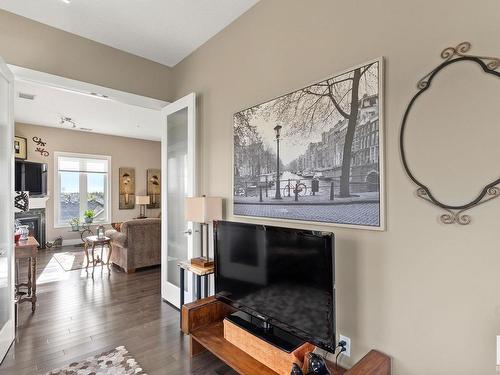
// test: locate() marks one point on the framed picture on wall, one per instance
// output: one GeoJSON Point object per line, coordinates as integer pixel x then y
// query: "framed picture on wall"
{"type": "Point", "coordinates": [154, 187]}
{"type": "Point", "coordinates": [20, 148]}
{"type": "Point", "coordinates": [315, 154]}
{"type": "Point", "coordinates": [127, 188]}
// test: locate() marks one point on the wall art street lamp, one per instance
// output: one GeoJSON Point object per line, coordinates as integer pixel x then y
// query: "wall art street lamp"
{"type": "Point", "coordinates": [277, 130]}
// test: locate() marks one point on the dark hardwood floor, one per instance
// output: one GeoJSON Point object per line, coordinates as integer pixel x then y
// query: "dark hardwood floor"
{"type": "Point", "coordinates": [78, 316]}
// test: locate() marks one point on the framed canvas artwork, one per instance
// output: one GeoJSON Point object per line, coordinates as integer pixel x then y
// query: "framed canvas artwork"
{"type": "Point", "coordinates": [20, 148]}
{"type": "Point", "coordinates": [315, 154]}
{"type": "Point", "coordinates": [127, 188]}
{"type": "Point", "coordinates": [154, 187]}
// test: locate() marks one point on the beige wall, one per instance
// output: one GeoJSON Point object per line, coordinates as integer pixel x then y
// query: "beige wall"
{"type": "Point", "coordinates": [30, 44]}
{"type": "Point", "coordinates": [146, 154]}
{"type": "Point", "coordinates": [425, 293]}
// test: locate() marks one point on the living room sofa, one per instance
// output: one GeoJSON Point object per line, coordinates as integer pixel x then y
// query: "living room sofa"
{"type": "Point", "coordinates": [137, 244]}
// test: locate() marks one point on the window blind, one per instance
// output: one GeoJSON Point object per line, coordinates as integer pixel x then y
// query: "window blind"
{"type": "Point", "coordinates": [83, 165]}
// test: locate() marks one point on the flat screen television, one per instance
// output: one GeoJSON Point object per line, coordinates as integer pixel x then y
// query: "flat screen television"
{"type": "Point", "coordinates": [282, 276]}
{"type": "Point", "coordinates": [32, 177]}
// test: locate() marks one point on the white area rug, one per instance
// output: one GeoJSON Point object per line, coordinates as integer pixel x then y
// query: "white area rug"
{"type": "Point", "coordinates": [115, 362]}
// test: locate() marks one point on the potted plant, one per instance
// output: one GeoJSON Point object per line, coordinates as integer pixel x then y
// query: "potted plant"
{"type": "Point", "coordinates": [89, 216]}
{"type": "Point", "coordinates": [75, 224]}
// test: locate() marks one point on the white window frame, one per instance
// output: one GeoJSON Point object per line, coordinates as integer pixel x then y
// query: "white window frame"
{"type": "Point", "coordinates": [109, 181]}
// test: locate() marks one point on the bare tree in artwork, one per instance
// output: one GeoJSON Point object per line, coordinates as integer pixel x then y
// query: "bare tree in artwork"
{"type": "Point", "coordinates": [313, 154]}
{"type": "Point", "coordinates": [316, 105]}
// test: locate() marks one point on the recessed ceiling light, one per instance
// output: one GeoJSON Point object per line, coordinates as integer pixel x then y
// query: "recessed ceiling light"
{"type": "Point", "coordinates": [66, 1]}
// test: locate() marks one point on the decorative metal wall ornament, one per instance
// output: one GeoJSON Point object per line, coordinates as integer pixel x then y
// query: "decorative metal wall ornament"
{"type": "Point", "coordinates": [455, 213]}
{"type": "Point", "coordinates": [39, 141]}
{"type": "Point", "coordinates": [41, 146]}
{"type": "Point", "coordinates": [21, 201]}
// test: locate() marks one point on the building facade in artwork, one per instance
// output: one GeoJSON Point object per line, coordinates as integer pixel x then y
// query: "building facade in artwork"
{"type": "Point", "coordinates": [325, 157]}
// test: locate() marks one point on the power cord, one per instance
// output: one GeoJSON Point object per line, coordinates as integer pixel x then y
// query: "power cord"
{"type": "Point", "coordinates": [342, 344]}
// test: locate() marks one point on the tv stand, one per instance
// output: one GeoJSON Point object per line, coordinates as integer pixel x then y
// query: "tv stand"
{"type": "Point", "coordinates": [203, 319]}
{"type": "Point", "coordinates": [265, 331]}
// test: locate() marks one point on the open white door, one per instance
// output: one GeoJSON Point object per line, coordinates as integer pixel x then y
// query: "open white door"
{"type": "Point", "coordinates": [178, 159]}
{"type": "Point", "coordinates": [6, 209]}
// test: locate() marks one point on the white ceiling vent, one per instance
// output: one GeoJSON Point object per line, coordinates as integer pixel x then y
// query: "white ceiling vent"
{"type": "Point", "coordinates": [23, 95]}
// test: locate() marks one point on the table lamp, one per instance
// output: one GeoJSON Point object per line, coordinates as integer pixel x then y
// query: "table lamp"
{"type": "Point", "coordinates": [203, 210]}
{"type": "Point", "coordinates": [142, 201]}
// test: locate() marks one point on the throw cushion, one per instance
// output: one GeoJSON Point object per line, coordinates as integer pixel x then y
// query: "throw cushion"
{"type": "Point", "coordinates": [117, 226]}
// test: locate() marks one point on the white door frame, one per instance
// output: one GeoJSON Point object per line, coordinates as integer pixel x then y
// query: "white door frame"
{"type": "Point", "coordinates": [7, 332]}
{"type": "Point", "coordinates": [170, 292]}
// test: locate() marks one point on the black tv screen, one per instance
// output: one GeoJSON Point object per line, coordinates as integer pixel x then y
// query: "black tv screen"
{"type": "Point", "coordinates": [282, 275]}
{"type": "Point", "coordinates": [31, 177]}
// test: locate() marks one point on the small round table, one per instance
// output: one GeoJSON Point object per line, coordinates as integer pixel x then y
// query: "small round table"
{"type": "Point", "coordinates": [92, 242]}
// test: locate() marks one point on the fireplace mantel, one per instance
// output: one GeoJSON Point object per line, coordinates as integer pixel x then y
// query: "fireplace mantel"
{"type": "Point", "coordinates": [38, 202]}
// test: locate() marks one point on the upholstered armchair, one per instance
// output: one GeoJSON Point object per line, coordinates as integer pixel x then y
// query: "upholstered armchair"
{"type": "Point", "coordinates": [137, 244]}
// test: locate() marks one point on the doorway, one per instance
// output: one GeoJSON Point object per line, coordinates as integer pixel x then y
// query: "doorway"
{"type": "Point", "coordinates": [178, 137]}
{"type": "Point", "coordinates": [179, 182]}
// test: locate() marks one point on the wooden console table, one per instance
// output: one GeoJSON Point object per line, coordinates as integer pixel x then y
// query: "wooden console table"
{"type": "Point", "coordinates": [27, 249]}
{"type": "Point", "coordinates": [202, 320]}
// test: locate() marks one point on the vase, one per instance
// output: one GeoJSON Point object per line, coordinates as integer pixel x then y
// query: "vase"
{"type": "Point", "coordinates": [89, 220]}
{"type": "Point", "coordinates": [24, 232]}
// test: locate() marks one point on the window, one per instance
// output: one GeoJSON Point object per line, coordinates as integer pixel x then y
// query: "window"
{"type": "Point", "coordinates": [81, 183]}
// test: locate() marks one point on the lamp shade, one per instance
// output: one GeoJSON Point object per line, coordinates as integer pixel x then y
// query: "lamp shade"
{"type": "Point", "coordinates": [203, 209]}
{"type": "Point", "coordinates": [142, 199]}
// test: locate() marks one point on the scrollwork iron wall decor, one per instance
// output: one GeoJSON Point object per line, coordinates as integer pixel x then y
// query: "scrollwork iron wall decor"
{"type": "Point", "coordinates": [455, 213]}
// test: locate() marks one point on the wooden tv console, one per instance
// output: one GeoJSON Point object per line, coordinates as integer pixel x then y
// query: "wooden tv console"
{"type": "Point", "coordinates": [203, 319]}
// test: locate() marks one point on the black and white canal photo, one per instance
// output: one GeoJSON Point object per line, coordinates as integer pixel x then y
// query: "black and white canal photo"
{"type": "Point", "coordinates": [314, 154]}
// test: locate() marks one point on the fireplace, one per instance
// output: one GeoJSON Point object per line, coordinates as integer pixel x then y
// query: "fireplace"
{"type": "Point", "coordinates": [35, 220]}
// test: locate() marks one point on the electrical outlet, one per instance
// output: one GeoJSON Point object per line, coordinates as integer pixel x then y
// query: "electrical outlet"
{"type": "Point", "coordinates": [347, 340]}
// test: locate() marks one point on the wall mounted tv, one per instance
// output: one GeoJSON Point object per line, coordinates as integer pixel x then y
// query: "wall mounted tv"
{"type": "Point", "coordinates": [282, 277]}
{"type": "Point", "coordinates": [31, 177]}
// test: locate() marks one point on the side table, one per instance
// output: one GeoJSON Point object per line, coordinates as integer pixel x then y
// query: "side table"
{"type": "Point", "coordinates": [85, 231]}
{"type": "Point", "coordinates": [91, 242]}
{"type": "Point", "coordinates": [199, 272]}
{"type": "Point", "coordinates": [27, 249]}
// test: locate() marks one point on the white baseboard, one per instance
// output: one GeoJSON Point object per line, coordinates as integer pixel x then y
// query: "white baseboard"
{"type": "Point", "coordinates": [72, 241]}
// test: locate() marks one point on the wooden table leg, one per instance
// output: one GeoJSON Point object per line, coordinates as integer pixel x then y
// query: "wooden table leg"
{"type": "Point", "coordinates": [33, 288]}
{"type": "Point", "coordinates": [110, 247]}
{"type": "Point", "coordinates": [206, 286]}
{"type": "Point", "coordinates": [17, 272]}
{"type": "Point", "coordinates": [198, 286]}
{"type": "Point", "coordinates": [86, 249]}
{"type": "Point", "coordinates": [93, 257]}
{"type": "Point", "coordinates": [102, 254]}
{"type": "Point", "coordinates": [181, 288]}
{"type": "Point", "coordinates": [29, 276]}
